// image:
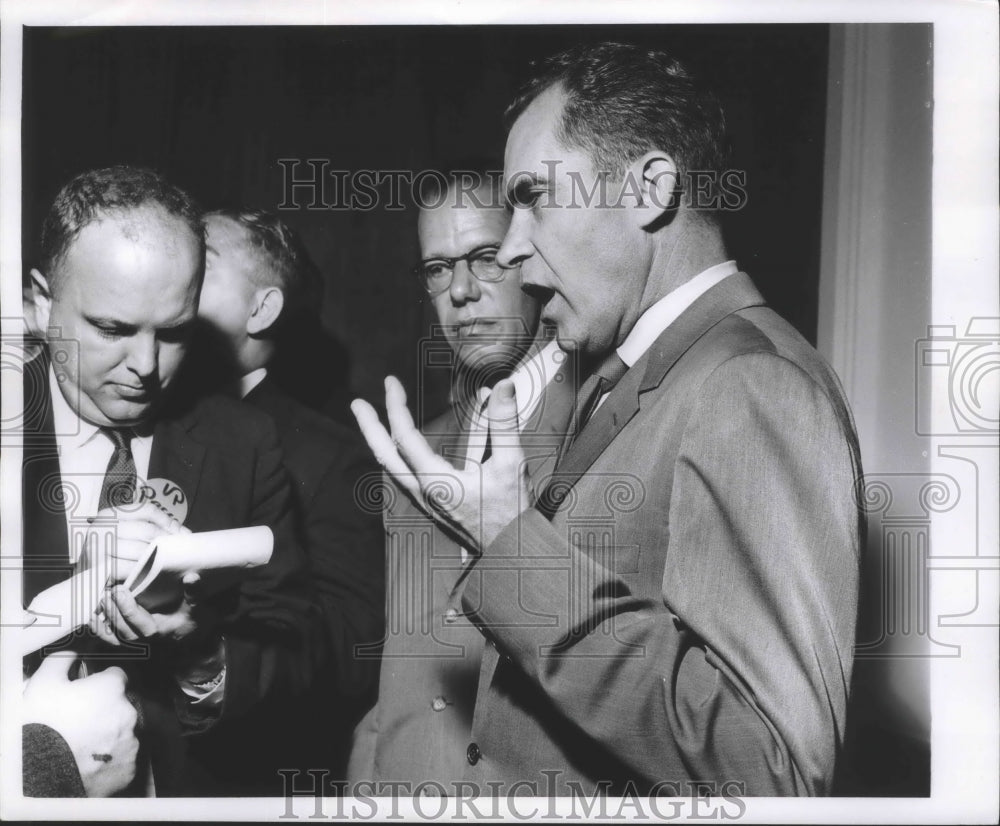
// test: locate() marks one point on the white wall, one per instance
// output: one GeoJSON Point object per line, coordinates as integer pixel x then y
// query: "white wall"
{"type": "Point", "coordinates": [875, 304]}
{"type": "Point", "coordinates": [909, 318]}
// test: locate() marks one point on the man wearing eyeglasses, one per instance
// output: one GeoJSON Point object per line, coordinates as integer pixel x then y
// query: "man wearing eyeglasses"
{"type": "Point", "coordinates": [683, 611]}
{"type": "Point", "coordinates": [414, 740]}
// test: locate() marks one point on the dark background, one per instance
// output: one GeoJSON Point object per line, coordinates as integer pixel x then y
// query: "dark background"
{"type": "Point", "coordinates": [216, 108]}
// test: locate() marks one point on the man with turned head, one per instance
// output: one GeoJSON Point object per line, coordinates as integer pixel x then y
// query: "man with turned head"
{"type": "Point", "coordinates": [122, 259]}
{"type": "Point", "coordinates": [420, 728]}
{"type": "Point", "coordinates": [259, 282]}
{"type": "Point", "coordinates": [678, 606]}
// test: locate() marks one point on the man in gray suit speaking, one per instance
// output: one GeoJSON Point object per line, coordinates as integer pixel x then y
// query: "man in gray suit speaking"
{"type": "Point", "coordinates": [703, 632]}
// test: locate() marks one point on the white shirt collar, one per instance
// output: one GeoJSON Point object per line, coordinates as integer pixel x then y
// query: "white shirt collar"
{"type": "Point", "coordinates": [530, 379]}
{"type": "Point", "coordinates": [83, 462]}
{"type": "Point", "coordinates": [251, 380]}
{"type": "Point", "coordinates": [668, 309]}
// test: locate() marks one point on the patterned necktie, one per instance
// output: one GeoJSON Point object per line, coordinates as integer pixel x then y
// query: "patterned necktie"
{"type": "Point", "coordinates": [604, 379]}
{"type": "Point", "coordinates": [119, 479]}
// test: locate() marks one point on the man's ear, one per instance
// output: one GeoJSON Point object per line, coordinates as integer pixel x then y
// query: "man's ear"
{"type": "Point", "coordinates": [655, 182]}
{"type": "Point", "coordinates": [41, 303]}
{"type": "Point", "coordinates": [267, 305]}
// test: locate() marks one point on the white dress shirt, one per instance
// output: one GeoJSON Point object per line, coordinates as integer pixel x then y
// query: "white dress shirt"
{"type": "Point", "coordinates": [530, 379]}
{"type": "Point", "coordinates": [84, 453]}
{"type": "Point", "coordinates": [668, 309]}
{"type": "Point", "coordinates": [665, 312]}
{"type": "Point", "coordinates": [251, 380]}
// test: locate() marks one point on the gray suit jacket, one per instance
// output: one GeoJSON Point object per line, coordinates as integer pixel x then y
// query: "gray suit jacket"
{"type": "Point", "coordinates": [420, 728]}
{"type": "Point", "coordinates": [688, 612]}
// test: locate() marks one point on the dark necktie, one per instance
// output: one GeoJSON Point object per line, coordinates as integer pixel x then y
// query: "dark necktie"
{"type": "Point", "coordinates": [488, 450]}
{"type": "Point", "coordinates": [601, 381]}
{"type": "Point", "coordinates": [119, 479]}
{"type": "Point", "coordinates": [478, 427]}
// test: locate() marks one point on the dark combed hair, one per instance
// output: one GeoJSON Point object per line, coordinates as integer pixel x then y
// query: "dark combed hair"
{"type": "Point", "coordinates": [284, 260]}
{"type": "Point", "coordinates": [624, 100]}
{"type": "Point", "coordinates": [98, 193]}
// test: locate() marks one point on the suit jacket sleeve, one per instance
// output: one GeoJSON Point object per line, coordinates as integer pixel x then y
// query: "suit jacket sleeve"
{"type": "Point", "coordinates": [740, 672]}
{"type": "Point", "coordinates": [49, 768]}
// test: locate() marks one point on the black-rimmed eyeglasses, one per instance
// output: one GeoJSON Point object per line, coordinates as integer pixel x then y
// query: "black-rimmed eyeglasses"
{"type": "Point", "coordinates": [436, 274]}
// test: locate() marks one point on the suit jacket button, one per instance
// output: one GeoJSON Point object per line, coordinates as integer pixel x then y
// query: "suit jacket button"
{"type": "Point", "coordinates": [439, 704]}
{"type": "Point", "coordinates": [473, 754]}
{"type": "Point", "coordinates": [450, 615]}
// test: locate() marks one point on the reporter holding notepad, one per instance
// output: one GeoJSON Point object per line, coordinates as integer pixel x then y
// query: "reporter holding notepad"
{"type": "Point", "coordinates": [122, 260]}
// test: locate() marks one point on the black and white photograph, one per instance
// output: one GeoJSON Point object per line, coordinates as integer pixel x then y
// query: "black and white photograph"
{"type": "Point", "coordinates": [472, 411]}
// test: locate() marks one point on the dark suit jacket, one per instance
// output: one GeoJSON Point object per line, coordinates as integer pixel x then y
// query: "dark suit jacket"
{"type": "Point", "coordinates": [226, 459]}
{"type": "Point", "coordinates": [688, 612]}
{"type": "Point", "coordinates": [421, 726]}
{"type": "Point", "coordinates": [343, 540]}
{"type": "Point", "coordinates": [47, 764]}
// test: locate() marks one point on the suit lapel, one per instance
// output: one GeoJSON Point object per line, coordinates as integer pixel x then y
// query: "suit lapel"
{"type": "Point", "coordinates": [178, 458]}
{"type": "Point", "coordinates": [727, 297]}
{"type": "Point", "coordinates": [545, 430]}
{"type": "Point", "coordinates": [45, 544]}
{"type": "Point", "coordinates": [264, 395]}
{"type": "Point", "coordinates": [448, 439]}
